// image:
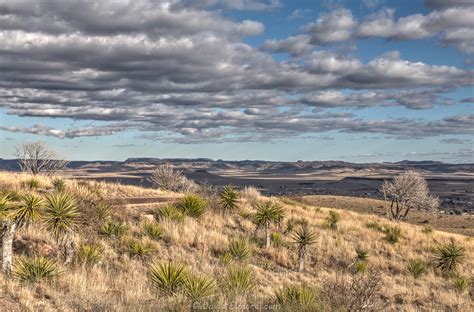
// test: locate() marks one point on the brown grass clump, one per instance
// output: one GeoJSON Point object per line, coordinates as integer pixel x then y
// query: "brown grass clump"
{"type": "Point", "coordinates": [113, 272]}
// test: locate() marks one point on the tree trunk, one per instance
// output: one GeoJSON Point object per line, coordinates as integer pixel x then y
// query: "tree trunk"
{"type": "Point", "coordinates": [68, 246]}
{"type": "Point", "coordinates": [302, 254]}
{"type": "Point", "coordinates": [8, 232]}
{"type": "Point", "coordinates": [267, 236]}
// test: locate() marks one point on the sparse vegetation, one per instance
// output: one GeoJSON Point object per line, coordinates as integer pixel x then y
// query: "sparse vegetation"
{"type": "Point", "coordinates": [198, 287]}
{"type": "Point", "coordinates": [59, 184]}
{"type": "Point", "coordinates": [167, 178]}
{"type": "Point", "coordinates": [239, 249]}
{"type": "Point", "coordinates": [113, 229]}
{"type": "Point", "coordinates": [152, 230]}
{"type": "Point", "coordinates": [332, 220]}
{"type": "Point", "coordinates": [37, 158]}
{"type": "Point", "coordinates": [461, 283]}
{"type": "Point", "coordinates": [169, 212]}
{"type": "Point", "coordinates": [239, 279]}
{"type": "Point", "coordinates": [416, 268]}
{"type": "Point", "coordinates": [392, 234]}
{"type": "Point", "coordinates": [140, 249]}
{"type": "Point", "coordinates": [89, 254]}
{"type": "Point", "coordinates": [296, 298]}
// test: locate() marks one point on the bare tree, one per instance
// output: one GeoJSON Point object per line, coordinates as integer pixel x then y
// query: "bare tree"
{"type": "Point", "coordinates": [408, 191]}
{"type": "Point", "coordinates": [167, 178]}
{"type": "Point", "coordinates": [37, 158]}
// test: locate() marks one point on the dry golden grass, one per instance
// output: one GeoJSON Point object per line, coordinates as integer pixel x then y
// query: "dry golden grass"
{"type": "Point", "coordinates": [119, 283]}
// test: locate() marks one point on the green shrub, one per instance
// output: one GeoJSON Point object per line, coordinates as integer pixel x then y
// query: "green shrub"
{"type": "Point", "coordinates": [198, 287]}
{"type": "Point", "coordinates": [168, 277]}
{"type": "Point", "coordinates": [361, 254]}
{"type": "Point", "coordinates": [416, 268]}
{"type": "Point", "coordinates": [139, 249]}
{"type": "Point", "coordinates": [427, 230]}
{"type": "Point", "coordinates": [169, 212]}
{"type": "Point", "coordinates": [296, 298]}
{"type": "Point", "coordinates": [375, 226]}
{"type": "Point", "coordinates": [448, 257]}
{"type": "Point", "coordinates": [89, 254]}
{"type": "Point", "coordinates": [28, 209]}
{"type": "Point", "coordinates": [392, 234]}
{"type": "Point", "coordinates": [59, 184]}
{"type": "Point", "coordinates": [461, 283]}
{"type": "Point", "coordinates": [239, 249]}
{"type": "Point", "coordinates": [360, 266]}
{"type": "Point", "coordinates": [239, 279]}
{"type": "Point", "coordinates": [113, 229]}
{"type": "Point", "coordinates": [229, 198]}
{"type": "Point", "coordinates": [332, 220]}
{"type": "Point", "coordinates": [152, 230]}
{"type": "Point", "coordinates": [192, 205]}
{"type": "Point", "coordinates": [277, 239]}
{"type": "Point", "coordinates": [36, 269]}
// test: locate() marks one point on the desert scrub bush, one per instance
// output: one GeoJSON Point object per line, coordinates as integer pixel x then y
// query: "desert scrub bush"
{"type": "Point", "coordinates": [140, 249]}
{"type": "Point", "coordinates": [375, 226]}
{"type": "Point", "coordinates": [113, 229]}
{"type": "Point", "coordinates": [250, 194]}
{"type": "Point", "coordinates": [392, 234]}
{"type": "Point", "coordinates": [303, 238]}
{"type": "Point", "coordinates": [461, 283]}
{"type": "Point", "coordinates": [168, 277]}
{"type": "Point", "coordinates": [448, 257]}
{"type": "Point", "coordinates": [332, 220]}
{"type": "Point", "coordinates": [360, 292]}
{"type": "Point", "coordinates": [89, 254]}
{"type": "Point", "coordinates": [239, 249]}
{"type": "Point", "coordinates": [277, 239]}
{"type": "Point", "coordinates": [239, 279]}
{"type": "Point", "coordinates": [229, 198]}
{"type": "Point", "coordinates": [31, 184]}
{"type": "Point", "coordinates": [268, 213]}
{"type": "Point", "coordinates": [152, 230]}
{"type": "Point", "coordinates": [167, 178]}
{"type": "Point", "coordinates": [198, 287]}
{"type": "Point", "coordinates": [416, 268]}
{"type": "Point", "coordinates": [192, 205]}
{"type": "Point", "coordinates": [296, 298]}
{"type": "Point", "coordinates": [35, 269]}
{"type": "Point", "coordinates": [59, 185]}
{"type": "Point", "coordinates": [427, 230]}
{"type": "Point", "coordinates": [169, 212]}
{"type": "Point", "coordinates": [293, 223]}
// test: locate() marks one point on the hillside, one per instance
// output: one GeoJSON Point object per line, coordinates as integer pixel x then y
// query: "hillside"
{"type": "Point", "coordinates": [120, 279]}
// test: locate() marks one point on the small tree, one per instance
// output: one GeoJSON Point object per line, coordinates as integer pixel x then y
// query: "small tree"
{"type": "Point", "coordinates": [303, 237]}
{"type": "Point", "coordinates": [14, 215]}
{"type": "Point", "coordinates": [267, 213]}
{"type": "Point", "coordinates": [408, 191]}
{"type": "Point", "coordinates": [36, 158]}
{"type": "Point", "coordinates": [167, 178]}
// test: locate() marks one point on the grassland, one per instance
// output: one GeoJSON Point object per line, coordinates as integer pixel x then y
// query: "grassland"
{"type": "Point", "coordinates": [120, 280]}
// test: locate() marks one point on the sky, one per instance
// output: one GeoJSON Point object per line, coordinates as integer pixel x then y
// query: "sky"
{"type": "Point", "coordinates": [359, 81]}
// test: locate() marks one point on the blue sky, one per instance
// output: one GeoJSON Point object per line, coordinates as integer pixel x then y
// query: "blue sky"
{"type": "Point", "coordinates": [359, 81]}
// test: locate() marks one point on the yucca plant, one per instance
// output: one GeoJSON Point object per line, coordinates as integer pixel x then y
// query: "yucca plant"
{"type": "Point", "coordinates": [448, 257]}
{"type": "Point", "coordinates": [140, 249]}
{"type": "Point", "coordinates": [360, 261]}
{"type": "Point", "coordinates": [303, 238]}
{"type": "Point", "coordinates": [59, 184]}
{"type": "Point", "coordinates": [32, 183]}
{"type": "Point", "coordinates": [239, 279]}
{"type": "Point", "coordinates": [294, 297]}
{"type": "Point", "coordinates": [225, 258]}
{"type": "Point", "coordinates": [461, 283]}
{"type": "Point", "coordinates": [152, 230]}
{"type": "Point", "coordinates": [61, 217]}
{"type": "Point", "coordinates": [239, 249]}
{"type": "Point", "coordinates": [293, 223]}
{"type": "Point", "coordinates": [89, 254]}
{"type": "Point", "coordinates": [332, 220]}
{"type": "Point", "coordinates": [15, 212]}
{"type": "Point", "coordinates": [229, 198]}
{"type": "Point", "coordinates": [268, 212]}
{"type": "Point", "coordinates": [168, 277]}
{"type": "Point", "coordinates": [36, 269]}
{"type": "Point", "coordinates": [102, 211]}
{"type": "Point", "coordinates": [192, 205]}
{"type": "Point", "coordinates": [392, 234]}
{"type": "Point", "coordinates": [416, 268]}
{"type": "Point", "coordinates": [198, 287]}
{"type": "Point", "coordinates": [113, 229]}
{"type": "Point", "coordinates": [169, 212]}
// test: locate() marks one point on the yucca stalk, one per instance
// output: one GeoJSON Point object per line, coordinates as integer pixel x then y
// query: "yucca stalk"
{"type": "Point", "coordinates": [15, 215]}
{"type": "Point", "coordinates": [168, 277]}
{"type": "Point", "coordinates": [61, 218]}
{"type": "Point", "coordinates": [268, 213]}
{"type": "Point", "coordinates": [303, 237]}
